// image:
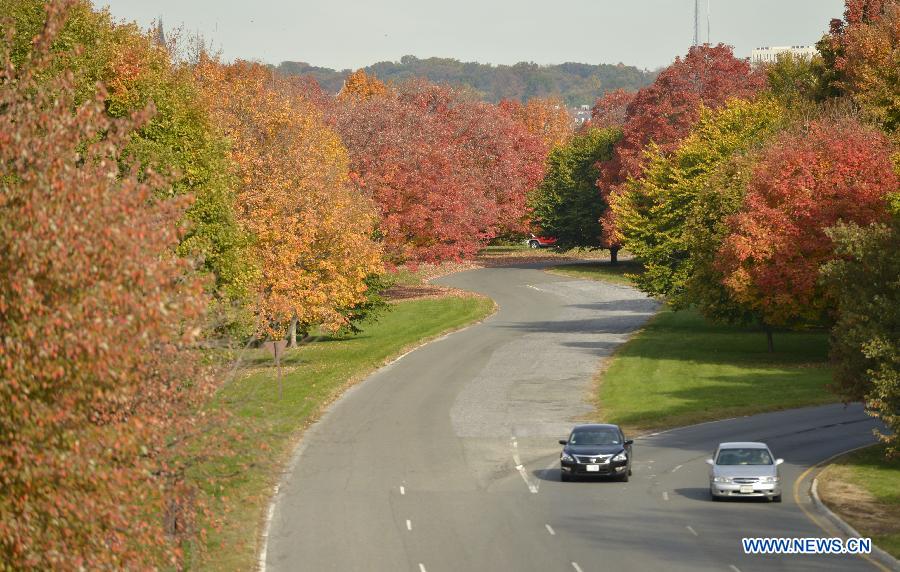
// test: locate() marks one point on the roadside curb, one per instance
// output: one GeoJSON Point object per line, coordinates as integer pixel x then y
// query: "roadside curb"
{"type": "Point", "coordinates": [877, 553]}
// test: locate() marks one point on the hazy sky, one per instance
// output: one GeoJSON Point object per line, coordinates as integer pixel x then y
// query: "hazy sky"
{"type": "Point", "coordinates": [354, 33]}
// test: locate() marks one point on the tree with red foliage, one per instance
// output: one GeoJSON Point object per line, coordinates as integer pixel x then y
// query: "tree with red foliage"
{"type": "Point", "coordinates": [98, 380]}
{"type": "Point", "coordinates": [806, 181]}
{"type": "Point", "coordinates": [447, 173]}
{"type": "Point", "coordinates": [664, 113]}
{"type": "Point", "coordinates": [610, 110]}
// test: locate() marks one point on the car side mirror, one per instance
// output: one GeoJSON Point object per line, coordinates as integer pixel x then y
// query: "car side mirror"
{"type": "Point", "coordinates": [779, 461]}
{"type": "Point", "coordinates": [563, 442]}
{"type": "Point", "coordinates": [710, 462]}
{"type": "Point", "coordinates": [629, 441]}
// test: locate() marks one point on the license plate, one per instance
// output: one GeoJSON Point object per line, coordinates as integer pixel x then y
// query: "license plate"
{"type": "Point", "coordinates": [593, 468]}
{"type": "Point", "coordinates": [746, 488]}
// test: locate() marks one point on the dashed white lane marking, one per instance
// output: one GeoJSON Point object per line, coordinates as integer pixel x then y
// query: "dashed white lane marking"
{"type": "Point", "coordinates": [665, 495]}
{"type": "Point", "coordinates": [550, 530]}
{"type": "Point", "coordinates": [531, 486]}
{"type": "Point", "coordinates": [577, 567]}
{"type": "Point", "coordinates": [408, 524]}
{"type": "Point", "coordinates": [534, 287]}
{"type": "Point", "coordinates": [422, 567]}
{"type": "Point", "coordinates": [402, 490]}
{"type": "Point", "coordinates": [691, 528]}
{"type": "Point", "coordinates": [676, 468]}
{"type": "Point", "coordinates": [735, 568]}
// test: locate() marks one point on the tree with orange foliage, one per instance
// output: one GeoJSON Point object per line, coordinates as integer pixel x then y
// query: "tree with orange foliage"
{"type": "Point", "coordinates": [547, 118]}
{"type": "Point", "coordinates": [312, 230]}
{"type": "Point", "coordinates": [861, 54]}
{"type": "Point", "coordinates": [99, 380]}
{"type": "Point", "coordinates": [806, 181]}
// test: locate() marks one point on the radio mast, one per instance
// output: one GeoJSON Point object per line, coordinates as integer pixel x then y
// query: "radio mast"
{"type": "Point", "coordinates": [696, 22]}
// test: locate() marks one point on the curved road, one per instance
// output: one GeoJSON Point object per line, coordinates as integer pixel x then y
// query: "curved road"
{"type": "Point", "coordinates": [447, 459]}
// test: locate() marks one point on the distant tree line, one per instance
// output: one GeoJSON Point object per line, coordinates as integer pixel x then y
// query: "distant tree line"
{"type": "Point", "coordinates": [574, 83]}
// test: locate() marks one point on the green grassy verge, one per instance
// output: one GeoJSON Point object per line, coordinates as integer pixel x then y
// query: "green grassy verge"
{"type": "Point", "coordinates": [265, 428]}
{"type": "Point", "coordinates": [864, 489]}
{"type": "Point", "coordinates": [605, 271]}
{"type": "Point", "coordinates": [680, 370]}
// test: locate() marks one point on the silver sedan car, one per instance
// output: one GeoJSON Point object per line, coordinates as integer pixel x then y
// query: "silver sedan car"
{"type": "Point", "coordinates": [744, 470]}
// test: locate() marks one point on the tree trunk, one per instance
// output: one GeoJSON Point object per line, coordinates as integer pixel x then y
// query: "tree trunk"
{"type": "Point", "coordinates": [769, 341]}
{"type": "Point", "coordinates": [614, 255]}
{"type": "Point", "coordinates": [292, 333]}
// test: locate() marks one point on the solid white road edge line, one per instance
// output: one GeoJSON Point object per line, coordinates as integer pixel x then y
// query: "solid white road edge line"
{"type": "Point", "coordinates": [550, 530]}
{"type": "Point", "coordinates": [261, 564]}
{"type": "Point", "coordinates": [691, 528]}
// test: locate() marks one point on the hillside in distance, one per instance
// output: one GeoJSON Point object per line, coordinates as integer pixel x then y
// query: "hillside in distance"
{"type": "Point", "coordinates": [576, 84]}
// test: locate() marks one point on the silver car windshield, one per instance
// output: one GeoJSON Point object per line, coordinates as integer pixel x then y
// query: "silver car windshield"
{"type": "Point", "coordinates": [744, 457]}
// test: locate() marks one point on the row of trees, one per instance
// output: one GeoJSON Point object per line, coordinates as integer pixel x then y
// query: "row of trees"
{"type": "Point", "coordinates": [759, 196]}
{"type": "Point", "coordinates": [574, 83]}
{"type": "Point", "coordinates": [154, 200]}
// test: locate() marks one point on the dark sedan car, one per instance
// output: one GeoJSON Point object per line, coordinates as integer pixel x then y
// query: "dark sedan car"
{"type": "Point", "coordinates": [596, 450]}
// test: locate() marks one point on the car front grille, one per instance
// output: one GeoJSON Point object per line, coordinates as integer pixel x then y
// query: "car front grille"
{"type": "Point", "coordinates": [592, 459]}
{"type": "Point", "coordinates": [745, 480]}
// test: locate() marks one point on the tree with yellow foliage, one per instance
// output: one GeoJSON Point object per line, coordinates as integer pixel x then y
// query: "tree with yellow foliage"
{"type": "Point", "coordinates": [313, 232]}
{"type": "Point", "coordinates": [360, 85]}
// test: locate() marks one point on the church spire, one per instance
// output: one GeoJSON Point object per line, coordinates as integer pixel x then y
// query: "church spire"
{"type": "Point", "coordinates": [160, 33]}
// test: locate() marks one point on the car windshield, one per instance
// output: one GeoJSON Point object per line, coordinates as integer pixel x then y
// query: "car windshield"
{"type": "Point", "coordinates": [595, 437]}
{"type": "Point", "coordinates": [744, 457]}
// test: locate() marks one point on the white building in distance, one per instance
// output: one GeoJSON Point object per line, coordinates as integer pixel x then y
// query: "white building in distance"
{"type": "Point", "coordinates": [770, 55]}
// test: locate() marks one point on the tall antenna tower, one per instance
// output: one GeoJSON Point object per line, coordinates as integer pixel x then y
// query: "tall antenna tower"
{"type": "Point", "coordinates": [696, 22]}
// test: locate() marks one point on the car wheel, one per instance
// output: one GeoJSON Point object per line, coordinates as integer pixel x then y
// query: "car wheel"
{"type": "Point", "coordinates": [776, 498]}
{"type": "Point", "coordinates": [629, 472]}
{"type": "Point", "coordinates": [564, 477]}
{"type": "Point", "coordinates": [624, 477]}
{"type": "Point", "coordinates": [534, 244]}
{"type": "Point", "coordinates": [713, 496]}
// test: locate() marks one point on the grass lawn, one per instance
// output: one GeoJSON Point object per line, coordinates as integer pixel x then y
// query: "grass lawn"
{"type": "Point", "coordinates": [680, 370]}
{"type": "Point", "coordinates": [605, 271]}
{"type": "Point", "coordinates": [264, 429]}
{"type": "Point", "coordinates": [864, 489]}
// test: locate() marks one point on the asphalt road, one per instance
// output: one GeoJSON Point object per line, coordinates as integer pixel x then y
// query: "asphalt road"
{"type": "Point", "coordinates": [447, 460]}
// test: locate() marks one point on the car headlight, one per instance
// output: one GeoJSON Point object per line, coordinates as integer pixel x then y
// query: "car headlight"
{"type": "Point", "coordinates": [769, 479]}
{"type": "Point", "coordinates": [623, 456]}
{"type": "Point", "coordinates": [566, 457]}
{"type": "Point", "coordinates": [721, 479]}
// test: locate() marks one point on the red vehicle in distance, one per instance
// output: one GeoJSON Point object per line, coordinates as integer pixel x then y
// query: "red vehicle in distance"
{"type": "Point", "coordinates": [541, 241]}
